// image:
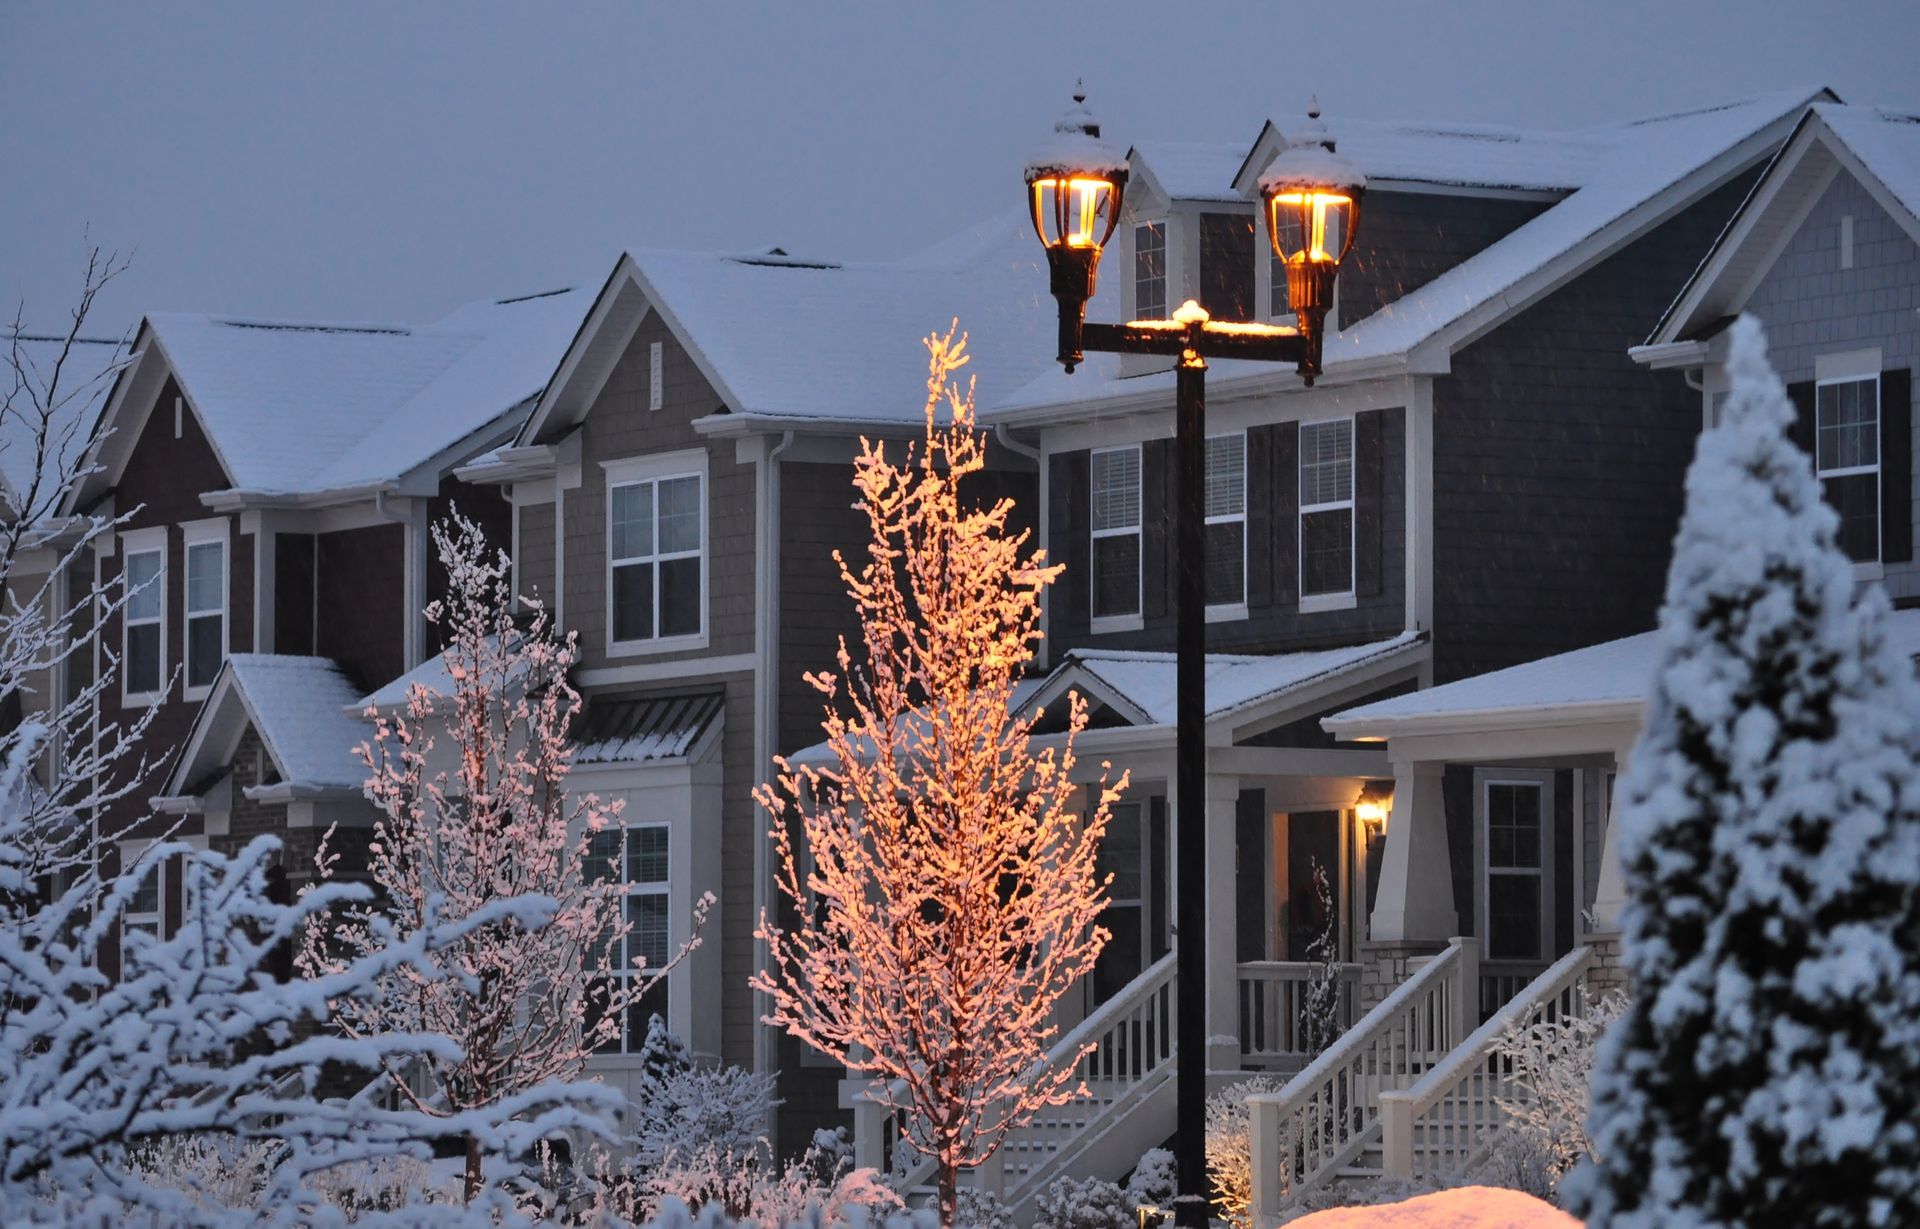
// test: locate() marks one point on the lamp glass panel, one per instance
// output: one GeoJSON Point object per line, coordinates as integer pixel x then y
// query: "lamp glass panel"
{"type": "Point", "coordinates": [1072, 212]}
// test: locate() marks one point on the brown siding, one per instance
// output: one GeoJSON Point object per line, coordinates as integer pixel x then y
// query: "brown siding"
{"type": "Point", "coordinates": [534, 551]}
{"type": "Point", "coordinates": [362, 595]}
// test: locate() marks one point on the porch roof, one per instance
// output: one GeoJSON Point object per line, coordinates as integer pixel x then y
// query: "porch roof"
{"type": "Point", "coordinates": [1603, 683]}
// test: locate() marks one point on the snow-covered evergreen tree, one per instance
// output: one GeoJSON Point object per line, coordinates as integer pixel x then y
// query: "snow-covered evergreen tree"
{"type": "Point", "coordinates": [1767, 1071]}
{"type": "Point", "coordinates": [1320, 1012]}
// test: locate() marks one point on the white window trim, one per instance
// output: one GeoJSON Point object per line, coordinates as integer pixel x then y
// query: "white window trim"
{"type": "Point", "coordinates": [1102, 624]}
{"type": "Point", "coordinates": [1228, 612]}
{"type": "Point", "coordinates": [689, 463]}
{"type": "Point", "coordinates": [1856, 367]}
{"type": "Point", "coordinates": [132, 853]}
{"type": "Point", "coordinates": [141, 542]}
{"type": "Point", "coordinates": [1166, 271]}
{"type": "Point", "coordinates": [661, 887]}
{"type": "Point", "coordinates": [1543, 781]}
{"type": "Point", "coordinates": [1337, 600]}
{"type": "Point", "coordinates": [199, 533]}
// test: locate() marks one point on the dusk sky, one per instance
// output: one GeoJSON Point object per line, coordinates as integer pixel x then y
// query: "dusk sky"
{"type": "Point", "coordinates": [387, 162]}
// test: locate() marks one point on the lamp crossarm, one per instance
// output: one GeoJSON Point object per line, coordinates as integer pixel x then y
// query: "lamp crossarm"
{"type": "Point", "coordinates": [1265, 343]}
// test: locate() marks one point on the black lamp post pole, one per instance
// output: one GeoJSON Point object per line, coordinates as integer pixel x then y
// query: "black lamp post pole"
{"type": "Point", "coordinates": [1190, 790]}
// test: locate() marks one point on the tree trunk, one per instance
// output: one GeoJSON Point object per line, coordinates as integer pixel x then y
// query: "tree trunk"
{"type": "Point", "coordinates": [949, 1193]}
{"type": "Point", "coordinates": [473, 1167]}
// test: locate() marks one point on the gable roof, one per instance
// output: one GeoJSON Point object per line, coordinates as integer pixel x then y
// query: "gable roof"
{"type": "Point", "coordinates": [304, 409]}
{"type": "Point", "coordinates": [1879, 148]}
{"type": "Point", "coordinates": [1654, 168]}
{"type": "Point", "coordinates": [85, 375]}
{"type": "Point", "coordinates": [794, 342]}
{"type": "Point", "coordinates": [299, 706]}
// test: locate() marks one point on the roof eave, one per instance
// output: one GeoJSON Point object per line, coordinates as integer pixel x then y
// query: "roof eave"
{"type": "Point", "coordinates": [1665, 356]}
{"type": "Point", "coordinates": [1354, 727]}
{"type": "Point", "coordinates": [1158, 398]}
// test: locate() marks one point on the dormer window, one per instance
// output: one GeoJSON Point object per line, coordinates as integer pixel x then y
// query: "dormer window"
{"type": "Point", "coordinates": [1150, 271]}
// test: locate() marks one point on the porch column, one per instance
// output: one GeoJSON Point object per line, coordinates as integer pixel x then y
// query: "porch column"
{"type": "Point", "coordinates": [1416, 873]}
{"type": "Point", "coordinates": [1610, 893]}
{"type": "Point", "coordinates": [1223, 973]}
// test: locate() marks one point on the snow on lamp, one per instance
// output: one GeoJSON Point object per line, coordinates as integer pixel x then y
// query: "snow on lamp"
{"type": "Point", "coordinates": [1312, 199]}
{"type": "Point", "coordinates": [1075, 183]}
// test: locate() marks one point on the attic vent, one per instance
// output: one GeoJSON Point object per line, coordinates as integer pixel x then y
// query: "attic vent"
{"type": "Point", "coordinates": [271, 326]}
{"type": "Point", "coordinates": [777, 258]}
{"type": "Point", "coordinates": [528, 298]}
{"type": "Point", "coordinates": [1456, 134]}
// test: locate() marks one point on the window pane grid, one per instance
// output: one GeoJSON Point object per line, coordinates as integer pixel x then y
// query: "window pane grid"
{"type": "Point", "coordinates": [636, 858]}
{"type": "Point", "coordinates": [654, 553]}
{"type": "Point", "coordinates": [1150, 271]}
{"type": "Point", "coordinates": [142, 618]}
{"type": "Point", "coordinates": [1226, 519]}
{"type": "Point", "coordinates": [1115, 553]}
{"type": "Point", "coordinates": [1326, 463]}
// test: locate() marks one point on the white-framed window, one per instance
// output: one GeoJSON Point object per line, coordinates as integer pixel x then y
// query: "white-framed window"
{"type": "Point", "coordinates": [1226, 525]}
{"type": "Point", "coordinates": [1150, 271]}
{"type": "Point", "coordinates": [205, 601]}
{"type": "Point", "coordinates": [143, 620]}
{"type": "Point", "coordinates": [1847, 458]}
{"type": "Point", "coordinates": [1326, 512]}
{"type": "Point", "coordinates": [636, 857]}
{"type": "Point", "coordinates": [656, 553]}
{"type": "Point", "coordinates": [1278, 306]}
{"type": "Point", "coordinates": [146, 909]}
{"type": "Point", "coordinates": [1516, 833]}
{"type": "Point", "coordinates": [1115, 548]}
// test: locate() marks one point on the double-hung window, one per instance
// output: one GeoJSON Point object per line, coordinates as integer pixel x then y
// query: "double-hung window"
{"type": "Point", "coordinates": [1150, 271]}
{"type": "Point", "coordinates": [656, 552]}
{"type": "Point", "coordinates": [1517, 892]}
{"type": "Point", "coordinates": [146, 906]}
{"type": "Point", "coordinates": [206, 605]}
{"type": "Point", "coordinates": [1326, 509]}
{"type": "Point", "coordinates": [143, 618]}
{"type": "Point", "coordinates": [1227, 522]}
{"type": "Point", "coordinates": [635, 858]}
{"type": "Point", "coordinates": [1847, 456]}
{"type": "Point", "coordinates": [1116, 533]}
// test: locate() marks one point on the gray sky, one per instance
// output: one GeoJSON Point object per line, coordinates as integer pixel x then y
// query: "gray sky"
{"type": "Point", "coordinates": [381, 161]}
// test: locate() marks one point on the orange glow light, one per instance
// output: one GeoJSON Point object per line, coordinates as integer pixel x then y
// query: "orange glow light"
{"type": "Point", "coordinates": [1315, 248]}
{"type": "Point", "coordinates": [1086, 205]}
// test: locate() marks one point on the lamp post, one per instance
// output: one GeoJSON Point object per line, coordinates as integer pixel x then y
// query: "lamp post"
{"type": "Point", "coordinates": [1311, 200]}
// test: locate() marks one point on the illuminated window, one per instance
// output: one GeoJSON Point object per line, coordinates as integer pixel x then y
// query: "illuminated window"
{"type": "Point", "coordinates": [636, 858]}
{"type": "Point", "coordinates": [206, 639]}
{"type": "Point", "coordinates": [1227, 519]}
{"type": "Point", "coordinates": [1847, 456]}
{"type": "Point", "coordinates": [1150, 271]}
{"type": "Point", "coordinates": [1116, 532]}
{"type": "Point", "coordinates": [656, 554]}
{"type": "Point", "coordinates": [1326, 508]}
{"type": "Point", "coordinates": [144, 619]}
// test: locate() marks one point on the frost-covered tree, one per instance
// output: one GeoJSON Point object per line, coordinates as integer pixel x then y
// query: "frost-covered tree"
{"type": "Point", "coordinates": [524, 1006]}
{"type": "Point", "coordinates": [1320, 1007]}
{"type": "Point", "coordinates": [948, 895]}
{"type": "Point", "coordinates": [678, 1103]}
{"type": "Point", "coordinates": [1230, 1148]}
{"type": "Point", "coordinates": [1767, 1071]}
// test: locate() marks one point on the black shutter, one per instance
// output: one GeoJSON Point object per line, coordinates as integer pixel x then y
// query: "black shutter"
{"type": "Point", "coordinates": [1226, 265]}
{"type": "Point", "coordinates": [1896, 465]}
{"type": "Point", "coordinates": [1259, 517]}
{"type": "Point", "coordinates": [1801, 395]}
{"type": "Point", "coordinates": [1156, 507]}
{"type": "Point", "coordinates": [175, 912]}
{"type": "Point", "coordinates": [1286, 514]}
{"type": "Point", "coordinates": [1369, 448]}
{"type": "Point", "coordinates": [1070, 522]}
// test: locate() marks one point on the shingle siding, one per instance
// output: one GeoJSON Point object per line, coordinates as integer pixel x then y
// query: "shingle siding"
{"type": "Point", "coordinates": [533, 553]}
{"type": "Point", "coordinates": [1811, 306]}
{"type": "Point", "coordinates": [1558, 462]}
{"type": "Point", "coordinates": [1407, 239]}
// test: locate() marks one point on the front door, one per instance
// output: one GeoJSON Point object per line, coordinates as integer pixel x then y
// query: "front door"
{"type": "Point", "coordinates": [1135, 853]}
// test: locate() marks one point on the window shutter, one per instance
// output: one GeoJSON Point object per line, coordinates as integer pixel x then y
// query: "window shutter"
{"type": "Point", "coordinates": [1156, 506]}
{"type": "Point", "coordinates": [1896, 465]}
{"type": "Point", "coordinates": [1070, 489]}
{"type": "Point", "coordinates": [1368, 446]}
{"type": "Point", "coordinates": [1260, 525]}
{"type": "Point", "coordinates": [173, 872]}
{"type": "Point", "coordinates": [1286, 514]}
{"type": "Point", "coordinates": [1801, 395]}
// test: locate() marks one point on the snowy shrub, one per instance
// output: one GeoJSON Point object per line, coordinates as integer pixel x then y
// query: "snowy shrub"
{"type": "Point", "coordinates": [748, 1185]}
{"type": "Point", "coordinates": [1154, 1180]}
{"type": "Point", "coordinates": [216, 1170]}
{"type": "Point", "coordinates": [1546, 1125]}
{"type": "Point", "coordinates": [1230, 1147]}
{"type": "Point", "coordinates": [1090, 1203]}
{"type": "Point", "coordinates": [982, 1209]}
{"type": "Point", "coordinates": [1767, 1071]}
{"type": "Point", "coordinates": [677, 1103]}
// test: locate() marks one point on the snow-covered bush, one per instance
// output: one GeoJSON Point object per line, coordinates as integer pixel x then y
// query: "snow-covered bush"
{"type": "Point", "coordinates": [1087, 1203]}
{"type": "Point", "coordinates": [1230, 1147]}
{"type": "Point", "coordinates": [678, 1103]}
{"type": "Point", "coordinates": [982, 1209]}
{"type": "Point", "coordinates": [747, 1185]}
{"type": "Point", "coordinates": [1546, 1124]}
{"type": "Point", "coordinates": [1154, 1180]}
{"type": "Point", "coordinates": [1767, 1070]}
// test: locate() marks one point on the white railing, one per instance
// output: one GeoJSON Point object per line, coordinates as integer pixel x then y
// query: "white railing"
{"type": "Point", "coordinates": [1272, 1009]}
{"type": "Point", "coordinates": [1328, 1114]}
{"type": "Point", "coordinates": [1131, 1037]}
{"type": "Point", "coordinates": [1502, 980]}
{"type": "Point", "coordinates": [1442, 1123]}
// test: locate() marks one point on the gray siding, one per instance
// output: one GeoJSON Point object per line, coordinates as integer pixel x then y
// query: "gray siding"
{"type": "Point", "coordinates": [534, 551]}
{"type": "Point", "coordinates": [1558, 462]}
{"type": "Point", "coordinates": [1407, 239]}
{"type": "Point", "coordinates": [1811, 306]}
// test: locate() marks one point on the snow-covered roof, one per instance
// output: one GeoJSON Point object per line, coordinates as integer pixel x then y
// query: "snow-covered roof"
{"type": "Point", "coordinates": [1887, 143]}
{"type": "Point", "coordinates": [85, 377]}
{"type": "Point", "coordinates": [627, 730]}
{"type": "Point", "coordinates": [1626, 179]}
{"type": "Point", "coordinates": [300, 707]}
{"type": "Point", "coordinates": [1142, 685]}
{"type": "Point", "coordinates": [1602, 681]}
{"type": "Point", "coordinates": [295, 408]}
{"type": "Point", "coordinates": [1192, 170]}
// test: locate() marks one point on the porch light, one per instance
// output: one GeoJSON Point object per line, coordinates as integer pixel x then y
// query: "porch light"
{"type": "Point", "coordinates": [1376, 799]}
{"type": "Point", "coordinates": [1312, 199]}
{"type": "Point", "coordinates": [1149, 1215]}
{"type": "Point", "coordinates": [1075, 183]}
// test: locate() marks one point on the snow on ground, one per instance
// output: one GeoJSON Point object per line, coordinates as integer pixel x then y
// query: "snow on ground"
{"type": "Point", "coordinates": [1467, 1207]}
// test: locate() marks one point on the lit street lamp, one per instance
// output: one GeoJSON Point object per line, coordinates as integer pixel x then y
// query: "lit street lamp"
{"type": "Point", "coordinates": [1075, 184]}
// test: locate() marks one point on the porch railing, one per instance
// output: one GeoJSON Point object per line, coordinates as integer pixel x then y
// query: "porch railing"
{"type": "Point", "coordinates": [1502, 980]}
{"type": "Point", "coordinates": [1329, 1114]}
{"type": "Point", "coordinates": [1442, 1124]}
{"type": "Point", "coordinates": [1272, 1010]}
